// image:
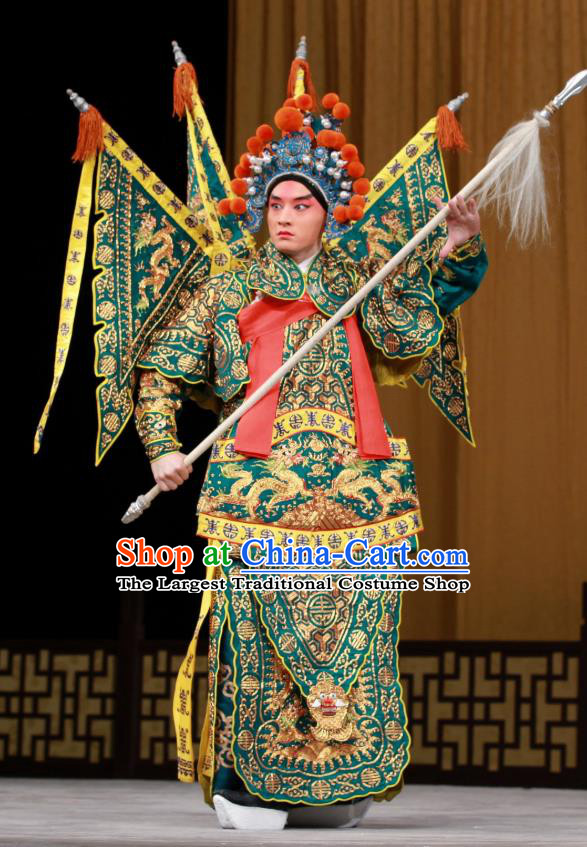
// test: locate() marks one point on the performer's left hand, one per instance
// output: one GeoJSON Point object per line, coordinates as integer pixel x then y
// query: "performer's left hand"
{"type": "Point", "coordinates": [463, 222]}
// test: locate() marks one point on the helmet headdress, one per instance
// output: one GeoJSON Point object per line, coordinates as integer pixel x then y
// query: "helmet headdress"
{"type": "Point", "coordinates": [312, 146]}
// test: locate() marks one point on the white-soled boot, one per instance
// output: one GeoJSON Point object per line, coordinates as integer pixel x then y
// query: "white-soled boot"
{"type": "Point", "coordinates": [359, 810]}
{"type": "Point", "coordinates": [334, 816]}
{"type": "Point", "coordinates": [232, 816]}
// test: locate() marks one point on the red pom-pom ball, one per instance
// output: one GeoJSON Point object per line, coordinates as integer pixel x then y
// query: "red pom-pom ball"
{"type": "Point", "coordinates": [341, 214]}
{"type": "Point", "coordinates": [330, 100]}
{"type": "Point", "coordinates": [349, 152]}
{"type": "Point", "coordinates": [289, 102]}
{"type": "Point", "coordinates": [254, 145]}
{"type": "Point", "coordinates": [224, 207]}
{"type": "Point", "coordinates": [240, 172]}
{"type": "Point", "coordinates": [309, 131]}
{"type": "Point", "coordinates": [326, 138]}
{"type": "Point", "coordinates": [265, 133]}
{"type": "Point", "coordinates": [239, 186]}
{"type": "Point", "coordinates": [355, 212]}
{"type": "Point", "coordinates": [355, 169]}
{"type": "Point", "coordinates": [245, 164]}
{"type": "Point", "coordinates": [238, 206]}
{"type": "Point", "coordinates": [357, 200]}
{"type": "Point", "coordinates": [341, 111]}
{"type": "Point", "coordinates": [361, 186]}
{"type": "Point", "coordinates": [304, 101]}
{"type": "Point", "coordinates": [338, 140]}
{"type": "Point", "coordinates": [288, 119]}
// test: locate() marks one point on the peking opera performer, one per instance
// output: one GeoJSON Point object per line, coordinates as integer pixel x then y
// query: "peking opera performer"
{"type": "Point", "coordinates": [305, 722]}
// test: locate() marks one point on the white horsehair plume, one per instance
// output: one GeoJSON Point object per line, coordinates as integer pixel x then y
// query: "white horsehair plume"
{"type": "Point", "coordinates": [516, 184]}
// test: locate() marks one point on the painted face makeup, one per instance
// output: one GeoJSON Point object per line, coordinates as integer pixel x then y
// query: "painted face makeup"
{"type": "Point", "coordinates": [295, 220]}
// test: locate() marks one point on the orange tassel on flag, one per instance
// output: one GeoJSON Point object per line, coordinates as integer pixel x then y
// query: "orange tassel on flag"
{"type": "Point", "coordinates": [308, 84]}
{"type": "Point", "coordinates": [448, 131]}
{"type": "Point", "coordinates": [183, 80]}
{"type": "Point", "coordinates": [90, 137]}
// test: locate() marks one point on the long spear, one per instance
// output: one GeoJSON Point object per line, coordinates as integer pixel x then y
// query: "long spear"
{"type": "Point", "coordinates": [512, 179]}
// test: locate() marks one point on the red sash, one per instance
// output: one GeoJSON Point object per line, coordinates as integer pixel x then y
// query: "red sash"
{"type": "Point", "coordinates": [263, 322]}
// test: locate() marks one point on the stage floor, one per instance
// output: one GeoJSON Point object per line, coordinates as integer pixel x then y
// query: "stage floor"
{"type": "Point", "coordinates": [113, 813]}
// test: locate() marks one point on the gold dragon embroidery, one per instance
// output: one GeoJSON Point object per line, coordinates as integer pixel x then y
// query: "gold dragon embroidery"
{"type": "Point", "coordinates": [285, 484]}
{"type": "Point", "coordinates": [147, 237]}
{"type": "Point", "coordinates": [352, 482]}
{"type": "Point", "coordinates": [381, 233]}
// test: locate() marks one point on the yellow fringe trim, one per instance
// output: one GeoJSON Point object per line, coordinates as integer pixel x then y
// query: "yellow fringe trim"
{"type": "Point", "coordinates": [182, 697]}
{"type": "Point", "coordinates": [74, 267]}
{"type": "Point", "coordinates": [382, 532]}
{"type": "Point", "coordinates": [304, 420]}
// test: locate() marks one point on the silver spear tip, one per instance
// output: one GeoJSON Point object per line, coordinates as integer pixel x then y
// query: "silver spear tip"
{"type": "Point", "coordinates": [136, 509]}
{"type": "Point", "coordinates": [455, 105]}
{"type": "Point", "coordinates": [178, 54]}
{"type": "Point", "coordinates": [78, 101]}
{"type": "Point", "coordinates": [302, 51]}
{"type": "Point", "coordinates": [574, 85]}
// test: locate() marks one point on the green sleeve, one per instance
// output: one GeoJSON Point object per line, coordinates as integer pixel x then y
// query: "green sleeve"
{"type": "Point", "coordinates": [460, 275]}
{"type": "Point", "coordinates": [182, 348]}
{"type": "Point", "coordinates": [178, 355]}
{"type": "Point", "coordinates": [201, 346]}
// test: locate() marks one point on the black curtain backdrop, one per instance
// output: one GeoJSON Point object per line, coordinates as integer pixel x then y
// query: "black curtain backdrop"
{"type": "Point", "coordinates": [65, 571]}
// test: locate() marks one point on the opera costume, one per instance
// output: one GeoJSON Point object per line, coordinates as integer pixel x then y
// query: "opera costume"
{"type": "Point", "coordinates": [304, 699]}
{"type": "Point", "coordinates": [304, 702]}
{"type": "Point", "coordinates": [328, 475]}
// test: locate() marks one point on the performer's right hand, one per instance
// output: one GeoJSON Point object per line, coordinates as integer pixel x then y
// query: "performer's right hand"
{"type": "Point", "coordinates": [169, 471]}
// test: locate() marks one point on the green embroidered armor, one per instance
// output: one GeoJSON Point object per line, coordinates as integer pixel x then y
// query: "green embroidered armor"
{"type": "Point", "coordinates": [319, 714]}
{"type": "Point", "coordinates": [202, 347]}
